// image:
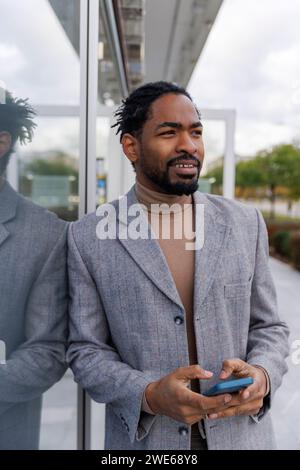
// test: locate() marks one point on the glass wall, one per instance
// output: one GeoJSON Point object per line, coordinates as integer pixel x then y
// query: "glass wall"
{"type": "Point", "coordinates": [48, 167]}
{"type": "Point", "coordinates": [39, 137]}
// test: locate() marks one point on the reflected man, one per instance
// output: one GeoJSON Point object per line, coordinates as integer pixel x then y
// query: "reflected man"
{"type": "Point", "coordinates": [33, 294]}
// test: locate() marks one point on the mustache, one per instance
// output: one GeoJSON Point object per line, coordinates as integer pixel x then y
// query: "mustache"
{"type": "Point", "coordinates": [184, 156]}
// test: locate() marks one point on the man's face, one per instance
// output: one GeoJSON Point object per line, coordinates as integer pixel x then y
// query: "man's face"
{"type": "Point", "coordinates": [170, 148]}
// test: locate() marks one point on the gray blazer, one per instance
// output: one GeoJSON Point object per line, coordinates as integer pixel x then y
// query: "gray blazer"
{"type": "Point", "coordinates": [33, 314]}
{"type": "Point", "coordinates": [123, 333]}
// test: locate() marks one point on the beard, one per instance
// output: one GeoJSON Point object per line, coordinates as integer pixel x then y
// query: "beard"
{"type": "Point", "coordinates": [187, 186]}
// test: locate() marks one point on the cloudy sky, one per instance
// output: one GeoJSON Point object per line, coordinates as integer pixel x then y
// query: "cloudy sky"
{"type": "Point", "coordinates": [36, 60]}
{"type": "Point", "coordinates": [251, 62]}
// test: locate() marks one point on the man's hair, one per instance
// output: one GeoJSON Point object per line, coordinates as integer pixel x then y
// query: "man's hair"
{"type": "Point", "coordinates": [16, 118]}
{"type": "Point", "coordinates": [135, 110]}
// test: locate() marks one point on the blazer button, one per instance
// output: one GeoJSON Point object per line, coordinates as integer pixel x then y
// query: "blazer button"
{"type": "Point", "coordinates": [178, 320]}
{"type": "Point", "coordinates": [183, 431]}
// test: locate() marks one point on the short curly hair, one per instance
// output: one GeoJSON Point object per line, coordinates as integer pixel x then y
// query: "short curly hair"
{"type": "Point", "coordinates": [135, 110]}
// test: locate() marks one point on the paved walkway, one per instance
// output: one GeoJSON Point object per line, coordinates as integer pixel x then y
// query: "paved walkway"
{"type": "Point", "coordinates": [280, 207]}
{"type": "Point", "coordinates": [286, 407]}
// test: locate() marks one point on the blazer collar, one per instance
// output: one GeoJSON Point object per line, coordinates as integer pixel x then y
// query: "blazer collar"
{"type": "Point", "coordinates": [8, 208]}
{"type": "Point", "coordinates": [150, 258]}
{"type": "Point", "coordinates": [146, 253]}
{"type": "Point", "coordinates": [8, 203]}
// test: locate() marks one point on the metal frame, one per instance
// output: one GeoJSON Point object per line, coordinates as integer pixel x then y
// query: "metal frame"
{"type": "Point", "coordinates": [89, 34]}
{"type": "Point", "coordinates": [68, 110]}
{"type": "Point", "coordinates": [83, 412]}
{"type": "Point", "coordinates": [229, 117]}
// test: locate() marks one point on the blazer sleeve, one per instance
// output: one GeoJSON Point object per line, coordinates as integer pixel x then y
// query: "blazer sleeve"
{"type": "Point", "coordinates": [268, 335]}
{"type": "Point", "coordinates": [40, 361]}
{"type": "Point", "coordinates": [95, 362]}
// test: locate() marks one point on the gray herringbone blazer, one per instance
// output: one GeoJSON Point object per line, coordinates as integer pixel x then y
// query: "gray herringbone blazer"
{"type": "Point", "coordinates": [33, 314]}
{"type": "Point", "coordinates": [123, 334]}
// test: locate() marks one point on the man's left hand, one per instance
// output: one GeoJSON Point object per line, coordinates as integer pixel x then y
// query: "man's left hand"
{"type": "Point", "coordinates": [249, 400]}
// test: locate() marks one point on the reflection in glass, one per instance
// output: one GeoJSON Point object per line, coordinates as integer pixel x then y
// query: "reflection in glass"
{"type": "Point", "coordinates": [48, 168]}
{"type": "Point", "coordinates": [33, 287]}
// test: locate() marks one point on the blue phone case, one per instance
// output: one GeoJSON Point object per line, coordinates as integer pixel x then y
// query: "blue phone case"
{"type": "Point", "coordinates": [228, 386]}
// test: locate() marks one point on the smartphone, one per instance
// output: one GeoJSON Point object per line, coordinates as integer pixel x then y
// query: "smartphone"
{"type": "Point", "coordinates": [228, 386]}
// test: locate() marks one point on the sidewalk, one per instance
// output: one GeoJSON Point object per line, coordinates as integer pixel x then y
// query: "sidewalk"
{"type": "Point", "coordinates": [286, 406]}
{"type": "Point", "coordinates": [280, 207]}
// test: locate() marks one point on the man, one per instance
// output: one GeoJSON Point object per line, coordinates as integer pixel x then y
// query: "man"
{"type": "Point", "coordinates": [152, 320]}
{"type": "Point", "coordinates": [33, 294]}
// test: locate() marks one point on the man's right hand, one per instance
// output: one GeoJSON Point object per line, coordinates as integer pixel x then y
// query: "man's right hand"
{"type": "Point", "coordinates": [170, 396]}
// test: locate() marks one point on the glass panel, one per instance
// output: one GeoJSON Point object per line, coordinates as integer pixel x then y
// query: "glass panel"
{"type": "Point", "coordinates": [214, 137]}
{"type": "Point", "coordinates": [103, 133]}
{"type": "Point", "coordinates": [48, 168]}
{"type": "Point", "coordinates": [39, 60]}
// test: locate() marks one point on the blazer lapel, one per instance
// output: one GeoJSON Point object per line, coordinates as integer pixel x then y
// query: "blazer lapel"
{"type": "Point", "coordinates": [147, 253]}
{"type": "Point", "coordinates": [216, 233]}
{"type": "Point", "coordinates": [149, 257]}
{"type": "Point", "coordinates": [3, 234]}
{"type": "Point", "coordinates": [8, 209]}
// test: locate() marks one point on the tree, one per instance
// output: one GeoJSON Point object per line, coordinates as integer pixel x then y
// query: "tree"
{"type": "Point", "coordinates": [281, 167]}
{"type": "Point", "coordinates": [273, 170]}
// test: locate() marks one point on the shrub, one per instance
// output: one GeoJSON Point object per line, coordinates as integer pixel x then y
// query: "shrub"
{"type": "Point", "coordinates": [281, 225]}
{"type": "Point", "coordinates": [281, 241]}
{"type": "Point", "coordinates": [295, 249]}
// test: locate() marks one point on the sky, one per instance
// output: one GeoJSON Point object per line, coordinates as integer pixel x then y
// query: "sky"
{"type": "Point", "coordinates": [36, 60]}
{"type": "Point", "coordinates": [251, 63]}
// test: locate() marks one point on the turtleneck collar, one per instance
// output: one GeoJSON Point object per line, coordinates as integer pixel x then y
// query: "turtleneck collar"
{"type": "Point", "coordinates": [148, 197]}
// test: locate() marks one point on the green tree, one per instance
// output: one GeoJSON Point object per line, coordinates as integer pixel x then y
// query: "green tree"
{"type": "Point", "coordinates": [280, 166]}
{"type": "Point", "coordinates": [61, 165]}
{"type": "Point", "coordinates": [269, 170]}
